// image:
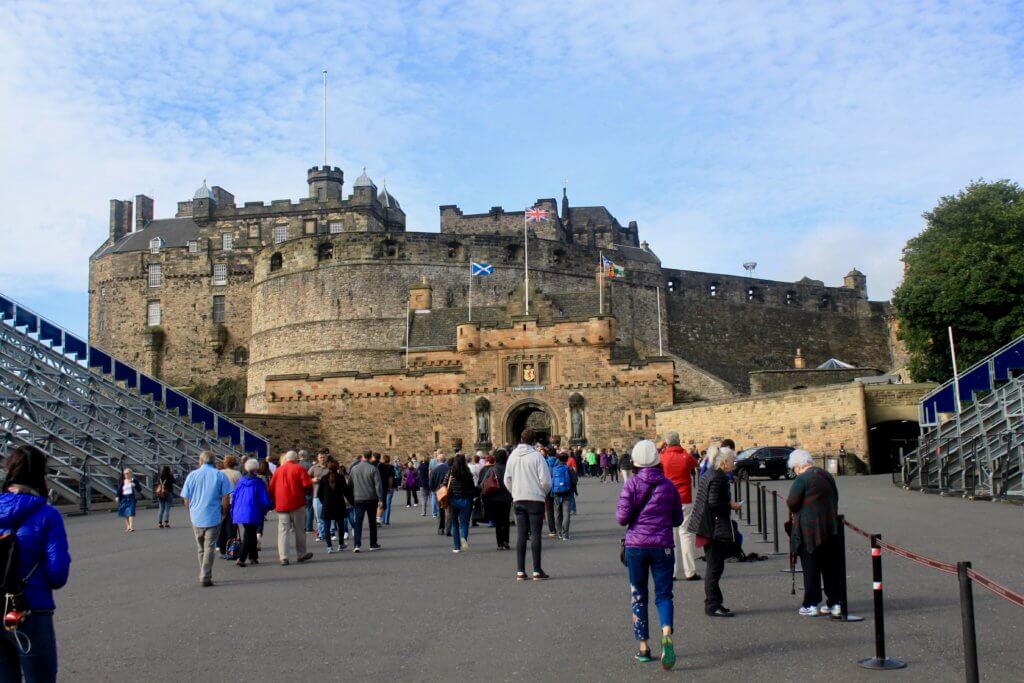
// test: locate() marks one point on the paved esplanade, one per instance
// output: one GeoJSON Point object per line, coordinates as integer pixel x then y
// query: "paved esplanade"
{"type": "Point", "coordinates": [414, 611]}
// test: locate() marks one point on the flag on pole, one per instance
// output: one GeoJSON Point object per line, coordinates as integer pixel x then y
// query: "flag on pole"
{"type": "Point", "coordinates": [536, 215]}
{"type": "Point", "coordinates": [612, 271]}
{"type": "Point", "coordinates": [482, 268]}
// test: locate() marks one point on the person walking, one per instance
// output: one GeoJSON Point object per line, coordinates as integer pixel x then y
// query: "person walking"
{"type": "Point", "coordinates": [613, 465]}
{"type": "Point", "coordinates": [528, 479]}
{"type": "Point", "coordinates": [626, 466]}
{"type": "Point", "coordinates": [411, 484]}
{"type": "Point", "coordinates": [649, 508]}
{"type": "Point", "coordinates": [711, 522]}
{"type": "Point", "coordinates": [423, 478]}
{"type": "Point", "coordinates": [316, 471]}
{"type": "Point", "coordinates": [389, 482]}
{"type": "Point", "coordinates": [461, 493]}
{"type": "Point", "coordinates": [563, 488]}
{"type": "Point", "coordinates": [228, 530]}
{"type": "Point", "coordinates": [439, 478]}
{"type": "Point", "coordinates": [250, 502]}
{"type": "Point", "coordinates": [498, 503]}
{"type": "Point", "coordinates": [367, 492]}
{"type": "Point", "coordinates": [813, 503]}
{"type": "Point", "coordinates": [305, 464]}
{"type": "Point", "coordinates": [28, 646]}
{"type": "Point", "coordinates": [679, 466]}
{"type": "Point", "coordinates": [333, 494]}
{"type": "Point", "coordinates": [604, 462]}
{"type": "Point", "coordinates": [163, 491]}
{"type": "Point", "coordinates": [205, 494]}
{"type": "Point", "coordinates": [127, 498]}
{"type": "Point", "coordinates": [289, 488]}
{"type": "Point", "coordinates": [591, 462]}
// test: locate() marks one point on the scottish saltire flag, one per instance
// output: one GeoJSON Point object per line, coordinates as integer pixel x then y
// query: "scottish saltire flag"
{"type": "Point", "coordinates": [611, 270]}
{"type": "Point", "coordinates": [482, 268]}
{"type": "Point", "coordinates": [536, 215]}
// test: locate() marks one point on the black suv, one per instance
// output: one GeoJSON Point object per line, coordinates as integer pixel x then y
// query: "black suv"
{"type": "Point", "coordinates": [764, 461]}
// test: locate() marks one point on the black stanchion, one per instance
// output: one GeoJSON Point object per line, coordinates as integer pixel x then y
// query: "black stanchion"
{"type": "Point", "coordinates": [879, 661]}
{"type": "Point", "coordinates": [775, 523]}
{"type": "Point", "coordinates": [967, 620]}
{"type": "Point", "coordinates": [845, 612]}
{"type": "Point", "coordinates": [764, 514]}
{"type": "Point", "coordinates": [760, 521]}
{"type": "Point", "coordinates": [736, 492]}
{"type": "Point", "coordinates": [748, 499]}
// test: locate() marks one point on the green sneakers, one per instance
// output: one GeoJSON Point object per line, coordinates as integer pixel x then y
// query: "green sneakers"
{"type": "Point", "coordinates": [643, 657]}
{"type": "Point", "coordinates": [668, 653]}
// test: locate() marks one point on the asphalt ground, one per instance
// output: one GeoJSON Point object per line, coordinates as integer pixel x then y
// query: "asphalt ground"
{"type": "Point", "coordinates": [132, 609]}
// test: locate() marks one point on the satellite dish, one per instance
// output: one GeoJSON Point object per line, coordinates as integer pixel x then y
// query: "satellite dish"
{"type": "Point", "coordinates": [749, 266]}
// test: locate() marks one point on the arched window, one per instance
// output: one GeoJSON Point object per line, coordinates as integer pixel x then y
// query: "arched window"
{"type": "Point", "coordinates": [672, 284]}
{"type": "Point", "coordinates": [791, 298]}
{"type": "Point", "coordinates": [325, 252]}
{"type": "Point", "coordinates": [453, 249]}
{"type": "Point", "coordinates": [276, 261]}
{"type": "Point", "coordinates": [155, 244]}
{"type": "Point", "coordinates": [713, 289]}
{"type": "Point", "coordinates": [753, 294]}
{"type": "Point", "coordinates": [241, 355]}
{"type": "Point", "coordinates": [389, 248]}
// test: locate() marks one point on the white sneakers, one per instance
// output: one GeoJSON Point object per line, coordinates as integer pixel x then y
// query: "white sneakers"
{"type": "Point", "coordinates": [814, 611]}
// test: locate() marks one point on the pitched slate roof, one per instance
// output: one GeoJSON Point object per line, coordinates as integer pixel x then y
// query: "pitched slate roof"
{"type": "Point", "coordinates": [437, 327]}
{"type": "Point", "coordinates": [175, 232]}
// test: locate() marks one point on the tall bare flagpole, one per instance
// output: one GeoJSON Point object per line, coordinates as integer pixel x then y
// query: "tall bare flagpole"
{"type": "Point", "coordinates": [956, 374]}
{"type": "Point", "coordinates": [658, 290]}
{"type": "Point", "coordinates": [408, 305]}
{"type": "Point", "coordinates": [325, 117]}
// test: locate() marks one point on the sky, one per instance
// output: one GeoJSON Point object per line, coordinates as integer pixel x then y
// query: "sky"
{"type": "Point", "coordinates": [808, 137]}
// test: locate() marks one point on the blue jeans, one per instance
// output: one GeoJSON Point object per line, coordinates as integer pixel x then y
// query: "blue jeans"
{"type": "Point", "coordinates": [309, 512]}
{"type": "Point", "coordinates": [433, 499]}
{"type": "Point", "coordinates": [659, 562]}
{"type": "Point", "coordinates": [461, 509]}
{"type": "Point", "coordinates": [387, 506]}
{"type": "Point", "coordinates": [318, 511]}
{"type": "Point", "coordinates": [425, 497]}
{"type": "Point", "coordinates": [350, 520]}
{"type": "Point", "coordinates": [165, 511]}
{"type": "Point", "coordinates": [40, 664]}
{"type": "Point", "coordinates": [368, 509]}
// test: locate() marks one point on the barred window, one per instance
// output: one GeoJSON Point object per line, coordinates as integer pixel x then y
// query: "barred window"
{"type": "Point", "coordinates": [193, 247]}
{"type": "Point", "coordinates": [220, 273]}
{"type": "Point", "coordinates": [153, 314]}
{"type": "Point", "coordinates": [155, 244]}
{"type": "Point", "coordinates": [226, 241]}
{"type": "Point", "coordinates": [334, 227]}
{"type": "Point", "coordinates": [280, 233]}
{"type": "Point", "coordinates": [218, 309]}
{"type": "Point", "coordinates": [156, 276]}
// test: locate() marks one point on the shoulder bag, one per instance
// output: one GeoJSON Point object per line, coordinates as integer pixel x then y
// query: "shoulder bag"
{"type": "Point", "coordinates": [632, 521]}
{"type": "Point", "coordinates": [443, 496]}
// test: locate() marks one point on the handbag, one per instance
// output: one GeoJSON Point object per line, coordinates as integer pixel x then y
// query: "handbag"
{"type": "Point", "coordinates": [632, 520]}
{"type": "Point", "coordinates": [443, 497]}
{"type": "Point", "coordinates": [490, 484]}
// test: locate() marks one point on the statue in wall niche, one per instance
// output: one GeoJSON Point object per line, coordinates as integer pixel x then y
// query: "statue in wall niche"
{"type": "Point", "coordinates": [483, 423]}
{"type": "Point", "coordinates": [576, 420]}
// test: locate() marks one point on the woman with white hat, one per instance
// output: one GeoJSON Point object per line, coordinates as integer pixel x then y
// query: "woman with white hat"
{"type": "Point", "coordinates": [649, 507]}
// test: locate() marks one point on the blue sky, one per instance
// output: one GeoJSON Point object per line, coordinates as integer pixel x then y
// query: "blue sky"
{"type": "Point", "coordinates": [809, 137]}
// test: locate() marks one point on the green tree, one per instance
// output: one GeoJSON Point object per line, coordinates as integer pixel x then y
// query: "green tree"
{"type": "Point", "coordinates": [966, 269]}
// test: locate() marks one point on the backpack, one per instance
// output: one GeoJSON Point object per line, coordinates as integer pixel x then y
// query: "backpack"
{"type": "Point", "coordinates": [234, 547]}
{"type": "Point", "coordinates": [561, 479]}
{"type": "Point", "coordinates": [11, 583]}
{"type": "Point", "coordinates": [490, 485]}
{"type": "Point", "coordinates": [161, 490]}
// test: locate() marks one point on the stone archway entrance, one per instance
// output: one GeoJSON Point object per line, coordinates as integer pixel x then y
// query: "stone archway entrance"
{"type": "Point", "coordinates": [529, 414]}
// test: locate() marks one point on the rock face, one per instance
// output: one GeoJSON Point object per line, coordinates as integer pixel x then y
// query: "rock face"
{"type": "Point", "coordinates": [333, 293]}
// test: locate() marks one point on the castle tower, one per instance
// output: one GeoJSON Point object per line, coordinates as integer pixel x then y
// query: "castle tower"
{"type": "Point", "coordinates": [858, 281]}
{"type": "Point", "coordinates": [364, 191]}
{"type": "Point", "coordinates": [325, 183]}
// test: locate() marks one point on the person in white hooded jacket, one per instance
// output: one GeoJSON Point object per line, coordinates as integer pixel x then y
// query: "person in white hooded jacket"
{"type": "Point", "coordinates": [528, 478]}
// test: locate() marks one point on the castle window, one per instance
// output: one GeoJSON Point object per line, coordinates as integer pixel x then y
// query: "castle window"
{"type": "Point", "coordinates": [254, 231]}
{"type": "Point", "coordinates": [156, 276]}
{"type": "Point", "coordinates": [557, 256]}
{"type": "Point", "coordinates": [512, 253]}
{"type": "Point", "coordinates": [240, 356]}
{"type": "Point", "coordinates": [825, 303]}
{"type": "Point", "coordinates": [218, 309]}
{"type": "Point", "coordinates": [280, 233]}
{"type": "Point", "coordinates": [713, 289]}
{"type": "Point", "coordinates": [513, 374]}
{"type": "Point", "coordinates": [325, 252]}
{"type": "Point", "coordinates": [226, 241]}
{"type": "Point", "coordinates": [276, 261]}
{"type": "Point", "coordinates": [334, 227]}
{"type": "Point", "coordinates": [753, 294]}
{"type": "Point", "coordinates": [453, 249]}
{"type": "Point", "coordinates": [437, 439]}
{"type": "Point", "coordinates": [542, 373]}
{"type": "Point", "coordinates": [153, 314]}
{"type": "Point", "coordinates": [672, 284]}
{"type": "Point", "coordinates": [193, 247]}
{"type": "Point", "coordinates": [791, 299]}
{"type": "Point", "coordinates": [309, 226]}
{"type": "Point", "coordinates": [220, 273]}
{"type": "Point", "coordinates": [155, 244]}
{"type": "Point", "coordinates": [101, 318]}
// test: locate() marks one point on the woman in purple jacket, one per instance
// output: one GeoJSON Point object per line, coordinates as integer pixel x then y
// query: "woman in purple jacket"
{"type": "Point", "coordinates": [649, 507]}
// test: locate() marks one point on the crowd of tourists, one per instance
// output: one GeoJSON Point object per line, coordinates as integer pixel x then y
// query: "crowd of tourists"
{"type": "Point", "coordinates": [669, 498]}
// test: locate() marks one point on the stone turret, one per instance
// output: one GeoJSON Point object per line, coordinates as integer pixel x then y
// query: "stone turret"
{"type": "Point", "coordinates": [325, 183]}
{"type": "Point", "coordinates": [858, 281]}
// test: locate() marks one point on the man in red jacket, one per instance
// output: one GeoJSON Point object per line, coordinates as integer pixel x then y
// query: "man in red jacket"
{"type": "Point", "coordinates": [679, 465]}
{"type": "Point", "coordinates": [288, 488]}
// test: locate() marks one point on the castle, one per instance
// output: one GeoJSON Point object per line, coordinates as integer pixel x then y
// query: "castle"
{"type": "Point", "coordinates": [329, 307]}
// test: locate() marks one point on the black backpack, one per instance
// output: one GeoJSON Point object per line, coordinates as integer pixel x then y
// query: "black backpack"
{"type": "Point", "coordinates": [12, 584]}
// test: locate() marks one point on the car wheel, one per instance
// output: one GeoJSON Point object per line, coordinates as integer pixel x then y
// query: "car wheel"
{"type": "Point", "coordinates": [790, 474]}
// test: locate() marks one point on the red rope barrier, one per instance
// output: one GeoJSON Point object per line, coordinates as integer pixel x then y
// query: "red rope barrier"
{"type": "Point", "coordinates": [1001, 591]}
{"type": "Point", "coordinates": [918, 558]}
{"type": "Point", "coordinates": [858, 530]}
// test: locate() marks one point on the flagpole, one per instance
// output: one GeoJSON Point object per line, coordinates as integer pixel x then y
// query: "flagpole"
{"type": "Point", "coordinates": [407, 307]}
{"type": "Point", "coordinates": [471, 290]}
{"type": "Point", "coordinates": [526, 261]}
{"type": "Point", "coordinates": [325, 118]}
{"type": "Point", "coordinates": [658, 291]}
{"type": "Point", "coordinates": [600, 282]}
{"type": "Point", "coordinates": [956, 378]}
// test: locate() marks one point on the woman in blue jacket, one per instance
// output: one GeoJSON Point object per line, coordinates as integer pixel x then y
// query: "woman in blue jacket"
{"type": "Point", "coordinates": [250, 502]}
{"type": "Point", "coordinates": [29, 652]}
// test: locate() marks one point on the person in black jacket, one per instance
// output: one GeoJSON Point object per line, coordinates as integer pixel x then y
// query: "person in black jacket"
{"type": "Point", "coordinates": [498, 504]}
{"type": "Point", "coordinates": [439, 478]}
{"type": "Point", "coordinates": [461, 492]}
{"type": "Point", "coordinates": [711, 521]}
{"type": "Point", "coordinates": [333, 493]}
{"type": "Point", "coordinates": [163, 491]}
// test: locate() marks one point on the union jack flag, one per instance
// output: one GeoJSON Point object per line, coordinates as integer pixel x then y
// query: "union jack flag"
{"type": "Point", "coordinates": [536, 215]}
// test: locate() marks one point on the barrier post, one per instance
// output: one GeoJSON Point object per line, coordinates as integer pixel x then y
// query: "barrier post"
{"type": "Point", "coordinates": [967, 620]}
{"type": "Point", "coordinates": [736, 492]}
{"type": "Point", "coordinates": [844, 615]}
{"type": "Point", "coordinates": [748, 499]}
{"type": "Point", "coordinates": [760, 521]}
{"type": "Point", "coordinates": [775, 522]}
{"type": "Point", "coordinates": [764, 514]}
{"type": "Point", "coordinates": [879, 661]}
